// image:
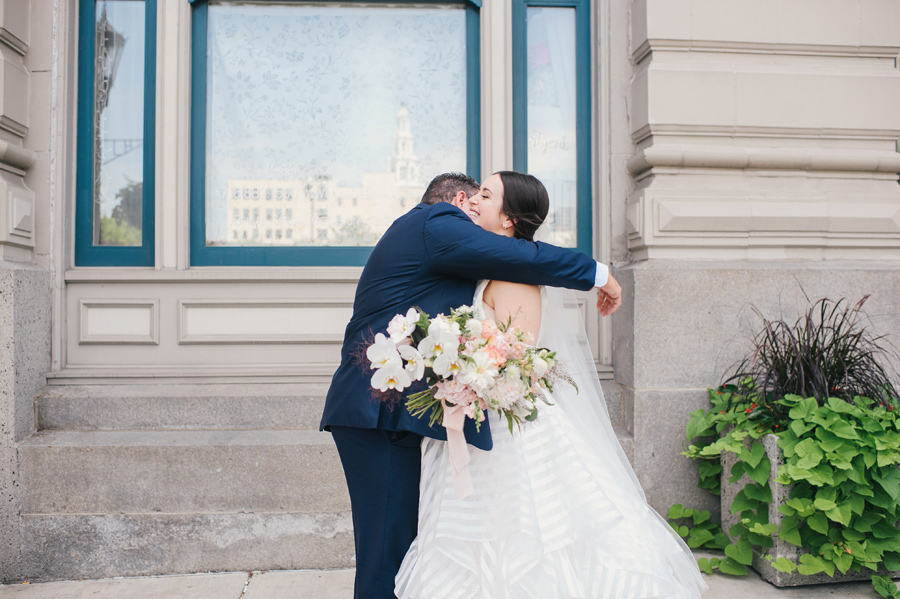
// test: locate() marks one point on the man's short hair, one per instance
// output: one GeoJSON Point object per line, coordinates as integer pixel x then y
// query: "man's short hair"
{"type": "Point", "coordinates": [444, 188]}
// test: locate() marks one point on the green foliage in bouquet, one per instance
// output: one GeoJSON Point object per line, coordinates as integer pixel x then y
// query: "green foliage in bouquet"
{"type": "Point", "coordinates": [819, 387]}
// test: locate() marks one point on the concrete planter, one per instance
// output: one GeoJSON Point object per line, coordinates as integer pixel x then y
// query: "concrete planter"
{"type": "Point", "coordinates": [780, 494]}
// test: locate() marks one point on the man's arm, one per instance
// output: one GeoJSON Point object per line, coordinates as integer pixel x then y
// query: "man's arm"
{"type": "Point", "coordinates": [458, 247]}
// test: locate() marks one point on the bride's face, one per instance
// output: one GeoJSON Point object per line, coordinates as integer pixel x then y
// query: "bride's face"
{"type": "Point", "coordinates": [487, 208]}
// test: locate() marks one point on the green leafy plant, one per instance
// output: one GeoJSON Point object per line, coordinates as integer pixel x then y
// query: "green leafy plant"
{"type": "Point", "coordinates": [885, 587]}
{"type": "Point", "coordinates": [806, 383]}
{"type": "Point", "coordinates": [696, 528]}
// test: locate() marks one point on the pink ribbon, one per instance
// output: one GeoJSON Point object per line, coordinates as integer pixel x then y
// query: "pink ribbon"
{"type": "Point", "coordinates": [454, 418]}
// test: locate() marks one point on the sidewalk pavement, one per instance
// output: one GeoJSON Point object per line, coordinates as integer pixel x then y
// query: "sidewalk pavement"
{"type": "Point", "coordinates": [338, 584]}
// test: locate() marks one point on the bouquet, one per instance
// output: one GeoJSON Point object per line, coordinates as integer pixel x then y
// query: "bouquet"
{"type": "Point", "coordinates": [470, 365]}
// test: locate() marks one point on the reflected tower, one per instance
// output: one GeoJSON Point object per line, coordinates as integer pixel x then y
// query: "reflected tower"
{"type": "Point", "coordinates": [404, 164]}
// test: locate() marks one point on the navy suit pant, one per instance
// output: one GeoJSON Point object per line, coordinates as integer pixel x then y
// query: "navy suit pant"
{"type": "Point", "coordinates": [382, 469]}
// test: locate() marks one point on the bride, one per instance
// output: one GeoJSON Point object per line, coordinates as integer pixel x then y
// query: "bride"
{"type": "Point", "coordinates": [556, 510]}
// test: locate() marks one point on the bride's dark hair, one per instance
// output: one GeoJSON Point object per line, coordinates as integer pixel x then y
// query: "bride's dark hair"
{"type": "Point", "coordinates": [525, 202]}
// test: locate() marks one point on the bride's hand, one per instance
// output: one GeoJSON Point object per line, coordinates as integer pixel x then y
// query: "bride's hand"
{"type": "Point", "coordinates": [610, 297]}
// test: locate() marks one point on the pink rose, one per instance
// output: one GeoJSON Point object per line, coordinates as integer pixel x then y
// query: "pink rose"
{"type": "Point", "coordinates": [455, 392]}
{"type": "Point", "coordinates": [488, 329]}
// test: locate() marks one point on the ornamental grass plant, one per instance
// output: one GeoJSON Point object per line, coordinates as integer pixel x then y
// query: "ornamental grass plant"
{"type": "Point", "coordinates": [822, 386]}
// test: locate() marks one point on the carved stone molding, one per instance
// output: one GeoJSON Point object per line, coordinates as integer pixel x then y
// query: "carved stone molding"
{"type": "Point", "coordinates": [647, 47]}
{"type": "Point", "coordinates": [663, 221]}
{"type": "Point", "coordinates": [119, 322]}
{"type": "Point", "coordinates": [226, 322]}
{"type": "Point", "coordinates": [16, 213]}
{"type": "Point", "coordinates": [763, 159]}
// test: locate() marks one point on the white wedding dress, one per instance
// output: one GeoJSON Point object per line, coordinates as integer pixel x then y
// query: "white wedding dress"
{"type": "Point", "coordinates": [556, 511]}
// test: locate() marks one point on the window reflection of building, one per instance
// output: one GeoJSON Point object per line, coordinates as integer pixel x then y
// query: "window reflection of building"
{"type": "Point", "coordinates": [318, 211]}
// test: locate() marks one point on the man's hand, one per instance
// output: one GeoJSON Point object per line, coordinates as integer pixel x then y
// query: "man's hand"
{"type": "Point", "coordinates": [610, 297]}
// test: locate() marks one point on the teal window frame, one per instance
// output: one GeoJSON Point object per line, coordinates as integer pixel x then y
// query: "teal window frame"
{"type": "Point", "coordinates": [584, 183]}
{"type": "Point", "coordinates": [204, 255]}
{"type": "Point", "coordinates": [86, 253]}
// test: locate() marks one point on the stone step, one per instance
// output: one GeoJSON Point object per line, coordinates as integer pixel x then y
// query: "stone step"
{"type": "Point", "coordinates": [80, 546]}
{"type": "Point", "coordinates": [180, 407]}
{"type": "Point", "coordinates": [181, 471]}
{"type": "Point", "coordinates": [119, 503]}
{"type": "Point", "coordinates": [210, 407]}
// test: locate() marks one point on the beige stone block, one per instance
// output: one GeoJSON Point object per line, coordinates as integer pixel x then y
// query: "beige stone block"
{"type": "Point", "coordinates": [668, 19]}
{"type": "Point", "coordinates": [818, 22]}
{"type": "Point", "coordinates": [865, 100]}
{"type": "Point", "coordinates": [14, 95]}
{"type": "Point", "coordinates": [638, 23]}
{"type": "Point", "coordinates": [39, 53]}
{"type": "Point", "coordinates": [734, 20]}
{"type": "Point", "coordinates": [38, 137]}
{"type": "Point", "coordinates": [878, 23]}
{"type": "Point", "coordinates": [37, 179]}
{"type": "Point", "coordinates": [790, 100]}
{"type": "Point", "coordinates": [640, 101]}
{"type": "Point", "coordinates": [689, 96]}
{"type": "Point", "coordinates": [14, 19]}
{"type": "Point", "coordinates": [660, 416]}
{"type": "Point", "coordinates": [840, 99]}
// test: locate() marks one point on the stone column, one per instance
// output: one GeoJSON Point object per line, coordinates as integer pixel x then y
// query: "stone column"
{"type": "Point", "coordinates": [765, 168]}
{"type": "Point", "coordinates": [24, 270]}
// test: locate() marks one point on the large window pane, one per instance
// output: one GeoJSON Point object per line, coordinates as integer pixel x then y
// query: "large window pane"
{"type": "Point", "coordinates": [325, 123]}
{"type": "Point", "coordinates": [118, 154]}
{"type": "Point", "coordinates": [552, 147]}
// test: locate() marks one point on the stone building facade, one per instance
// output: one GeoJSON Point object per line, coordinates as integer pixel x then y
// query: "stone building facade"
{"type": "Point", "coordinates": [161, 417]}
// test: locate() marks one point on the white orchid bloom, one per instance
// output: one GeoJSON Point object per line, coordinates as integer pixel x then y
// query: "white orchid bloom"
{"type": "Point", "coordinates": [382, 352]}
{"type": "Point", "coordinates": [402, 326]}
{"type": "Point", "coordinates": [446, 365]}
{"type": "Point", "coordinates": [440, 344]}
{"type": "Point", "coordinates": [391, 376]}
{"type": "Point", "coordinates": [415, 363]}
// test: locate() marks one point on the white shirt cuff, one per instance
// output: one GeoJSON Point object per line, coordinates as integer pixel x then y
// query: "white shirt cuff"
{"type": "Point", "coordinates": [602, 276]}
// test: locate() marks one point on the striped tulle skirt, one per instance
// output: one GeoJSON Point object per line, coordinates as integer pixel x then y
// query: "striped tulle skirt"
{"type": "Point", "coordinates": [550, 518]}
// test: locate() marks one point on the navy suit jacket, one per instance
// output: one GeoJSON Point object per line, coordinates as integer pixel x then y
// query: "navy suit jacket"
{"type": "Point", "coordinates": [432, 257]}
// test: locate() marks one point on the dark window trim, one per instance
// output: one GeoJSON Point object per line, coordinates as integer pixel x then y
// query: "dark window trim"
{"type": "Point", "coordinates": [86, 253]}
{"type": "Point", "coordinates": [582, 104]}
{"type": "Point", "coordinates": [203, 255]}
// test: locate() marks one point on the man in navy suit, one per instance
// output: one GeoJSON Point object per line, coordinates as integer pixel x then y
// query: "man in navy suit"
{"type": "Point", "coordinates": [431, 257]}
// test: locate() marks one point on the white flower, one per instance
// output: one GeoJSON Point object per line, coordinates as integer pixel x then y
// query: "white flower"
{"type": "Point", "coordinates": [391, 376]}
{"type": "Point", "coordinates": [446, 364]}
{"type": "Point", "coordinates": [479, 372]}
{"type": "Point", "coordinates": [506, 392]}
{"type": "Point", "coordinates": [401, 326]}
{"type": "Point", "coordinates": [382, 352]}
{"type": "Point", "coordinates": [442, 327]}
{"type": "Point", "coordinates": [540, 366]}
{"type": "Point", "coordinates": [442, 343]}
{"type": "Point", "coordinates": [474, 327]}
{"type": "Point", "coordinates": [415, 363]}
